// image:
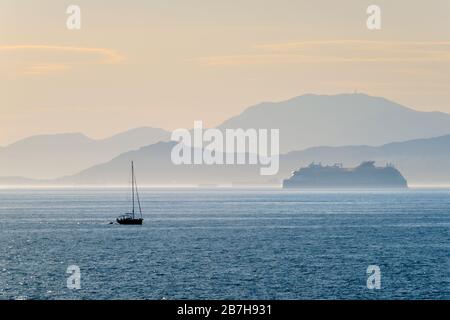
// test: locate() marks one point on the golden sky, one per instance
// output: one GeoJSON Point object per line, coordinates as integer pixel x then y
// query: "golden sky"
{"type": "Point", "coordinates": [166, 63]}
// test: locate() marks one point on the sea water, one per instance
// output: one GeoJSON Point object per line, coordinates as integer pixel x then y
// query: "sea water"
{"type": "Point", "coordinates": [225, 244]}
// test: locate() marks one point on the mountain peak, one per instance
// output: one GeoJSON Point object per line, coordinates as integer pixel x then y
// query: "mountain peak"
{"type": "Point", "coordinates": [343, 119]}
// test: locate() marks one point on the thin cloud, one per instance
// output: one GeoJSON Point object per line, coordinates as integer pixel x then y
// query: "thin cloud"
{"type": "Point", "coordinates": [337, 51]}
{"type": "Point", "coordinates": [104, 56]}
{"type": "Point", "coordinates": [380, 44]}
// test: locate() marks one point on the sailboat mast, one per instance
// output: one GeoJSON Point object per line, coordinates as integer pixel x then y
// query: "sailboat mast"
{"type": "Point", "coordinates": [132, 185]}
{"type": "Point", "coordinates": [137, 197]}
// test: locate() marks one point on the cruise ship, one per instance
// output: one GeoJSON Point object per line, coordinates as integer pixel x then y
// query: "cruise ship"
{"type": "Point", "coordinates": [366, 175]}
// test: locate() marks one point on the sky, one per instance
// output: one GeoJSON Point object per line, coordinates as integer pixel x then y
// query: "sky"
{"type": "Point", "coordinates": [166, 63]}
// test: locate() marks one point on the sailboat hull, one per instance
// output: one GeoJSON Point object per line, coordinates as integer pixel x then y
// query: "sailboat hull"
{"type": "Point", "coordinates": [129, 218]}
{"type": "Point", "coordinates": [130, 221]}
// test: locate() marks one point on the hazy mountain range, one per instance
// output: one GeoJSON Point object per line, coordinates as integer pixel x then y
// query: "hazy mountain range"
{"type": "Point", "coordinates": [344, 119]}
{"type": "Point", "coordinates": [52, 156]}
{"type": "Point", "coordinates": [363, 128]}
{"type": "Point", "coordinates": [423, 161]}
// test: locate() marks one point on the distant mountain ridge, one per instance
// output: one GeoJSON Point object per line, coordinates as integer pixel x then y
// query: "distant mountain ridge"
{"type": "Point", "coordinates": [51, 156]}
{"type": "Point", "coordinates": [422, 161]}
{"type": "Point", "coordinates": [345, 119]}
{"type": "Point", "coordinates": [305, 122]}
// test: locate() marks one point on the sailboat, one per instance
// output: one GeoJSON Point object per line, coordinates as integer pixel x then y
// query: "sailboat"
{"type": "Point", "coordinates": [132, 218]}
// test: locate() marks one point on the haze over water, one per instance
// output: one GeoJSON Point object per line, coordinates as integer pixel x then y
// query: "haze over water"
{"type": "Point", "coordinates": [218, 244]}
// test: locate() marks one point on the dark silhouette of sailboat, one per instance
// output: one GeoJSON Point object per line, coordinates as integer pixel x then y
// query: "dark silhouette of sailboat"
{"type": "Point", "coordinates": [132, 218]}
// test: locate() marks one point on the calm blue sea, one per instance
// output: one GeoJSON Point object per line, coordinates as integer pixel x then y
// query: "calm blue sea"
{"type": "Point", "coordinates": [225, 244]}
